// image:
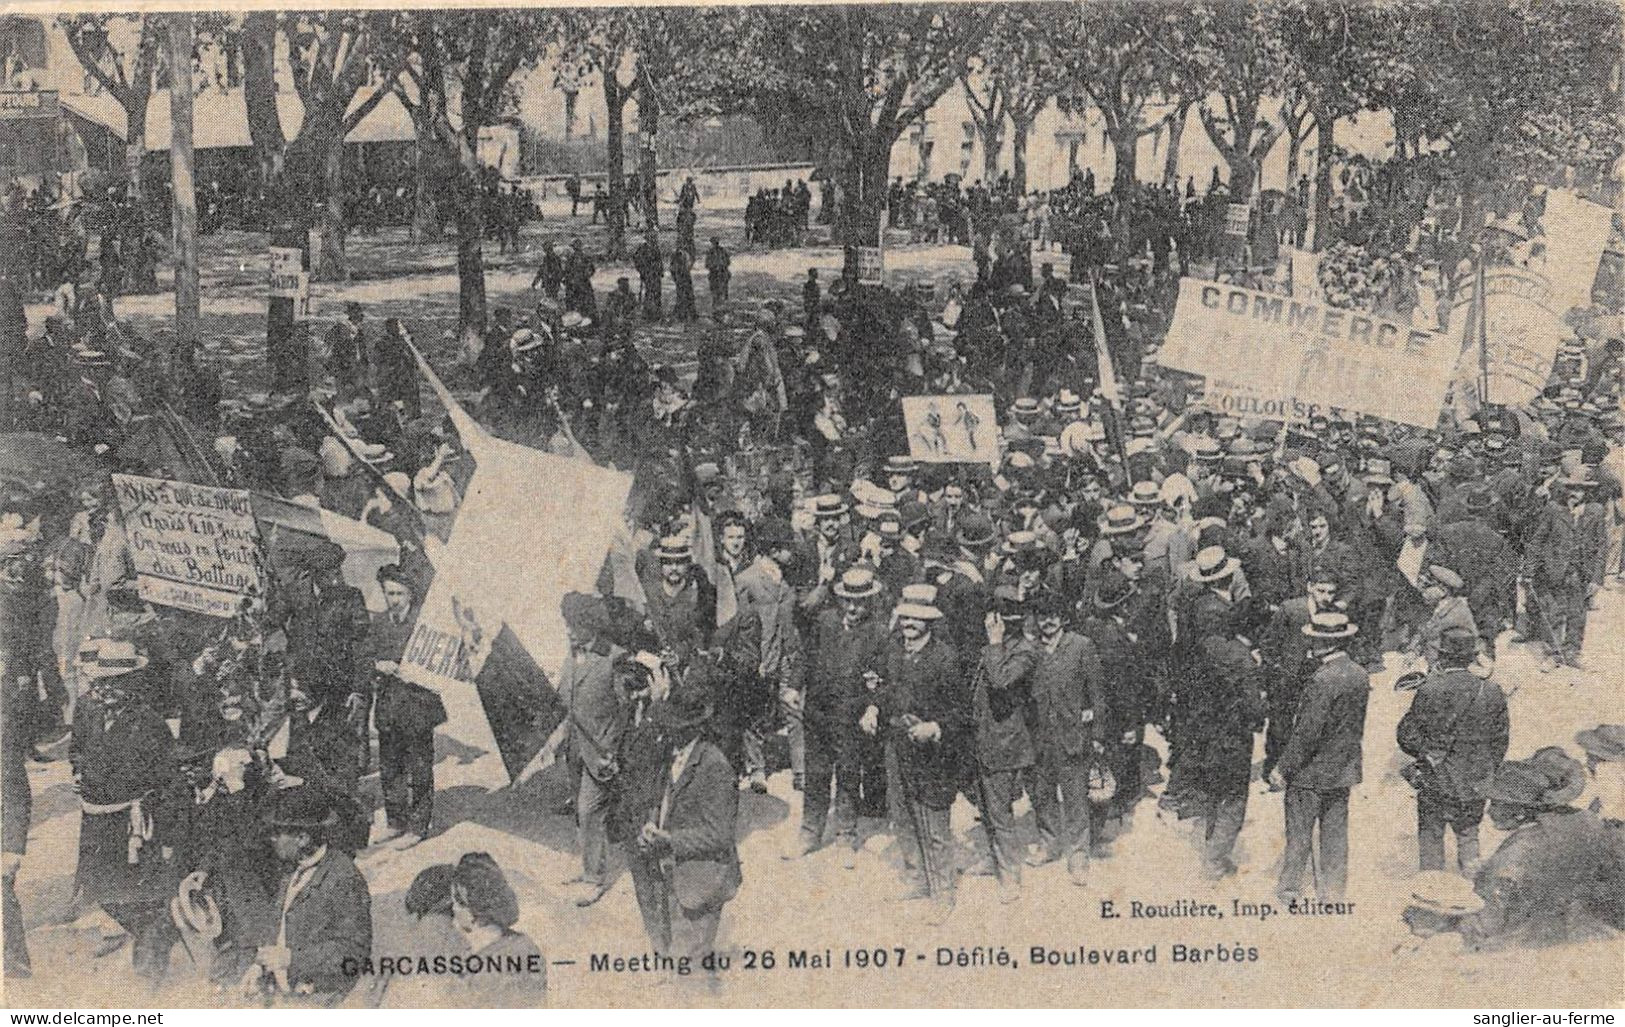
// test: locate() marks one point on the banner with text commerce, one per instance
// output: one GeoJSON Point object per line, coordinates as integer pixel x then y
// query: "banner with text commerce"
{"type": "Point", "coordinates": [1282, 358]}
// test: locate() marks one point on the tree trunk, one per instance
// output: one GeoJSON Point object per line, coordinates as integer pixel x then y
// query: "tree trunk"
{"type": "Point", "coordinates": [1295, 137]}
{"type": "Point", "coordinates": [135, 149]}
{"type": "Point", "coordinates": [570, 96]}
{"type": "Point", "coordinates": [648, 163]}
{"type": "Point", "coordinates": [1176, 136]}
{"type": "Point", "coordinates": [615, 137]}
{"type": "Point", "coordinates": [868, 175]}
{"type": "Point", "coordinates": [259, 94]}
{"type": "Point", "coordinates": [1243, 175]}
{"type": "Point", "coordinates": [426, 220]}
{"type": "Point", "coordinates": [1325, 136]}
{"type": "Point", "coordinates": [1125, 146]}
{"type": "Point", "coordinates": [1020, 130]}
{"type": "Point", "coordinates": [184, 206]}
{"type": "Point", "coordinates": [470, 255]}
{"type": "Point", "coordinates": [992, 143]}
{"type": "Point", "coordinates": [330, 225]}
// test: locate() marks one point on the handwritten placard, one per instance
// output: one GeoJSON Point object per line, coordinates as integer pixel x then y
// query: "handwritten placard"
{"type": "Point", "coordinates": [194, 547]}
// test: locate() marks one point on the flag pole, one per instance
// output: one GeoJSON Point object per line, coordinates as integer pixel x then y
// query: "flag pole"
{"type": "Point", "coordinates": [1110, 388]}
{"type": "Point", "coordinates": [1483, 333]}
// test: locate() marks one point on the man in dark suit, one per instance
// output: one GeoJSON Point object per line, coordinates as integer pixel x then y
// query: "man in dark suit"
{"type": "Point", "coordinates": [594, 683]}
{"type": "Point", "coordinates": [405, 713]}
{"type": "Point", "coordinates": [1073, 721]}
{"type": "Point", "coordinates": [684, 862]}
{"type": "Point", "coordinates": [1285, 651]}
{"type": "Point", "coordinates": [324, 932]}
{"type": "Point", "coordinates": [927, 712]}
{"type": "Point", "coordinates": [1004, 745]}
{"type": "Point", "coordinates": [1567, 552]}
{"type": "Point", "coordinates": [328, 636]}
{"type": "Point", "coordinates": [1457, 730]}
{"type": "Point", "coordinates": [1322, 759]}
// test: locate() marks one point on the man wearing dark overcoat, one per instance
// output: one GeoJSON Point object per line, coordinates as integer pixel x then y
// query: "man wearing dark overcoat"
{"type": "Point", "coordinates": [1073, 723]}
{"type": "Point", "coordinates": [927, 711]}
{"type": "Point", "coordinates": [1000, 693]}
{"type": "Point", "coordinates": [1457, 731]}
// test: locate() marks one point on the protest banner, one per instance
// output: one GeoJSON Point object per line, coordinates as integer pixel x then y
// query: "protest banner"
{"type": "Point", "coordinates": [1522, 335]}
{"type": "Point", "coordinates": [871, 265]}
{"type": "Point", "coordinates": [285, 268]}
{"type": "Point", "coordinates": [1289, 354]}
{"type": "Point", "coordinates": [490, 635]}
{"type": "Point", "coordinates": [952, 429]}
{"type": "Point", "coordinates": [194, 547]}
{"type": "Point", "coordinates": [1576, 235]}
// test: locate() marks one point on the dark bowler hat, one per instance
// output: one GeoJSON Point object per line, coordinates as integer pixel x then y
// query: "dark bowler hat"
{"type": "Point", "coordinates": [1050, 603]}
{"type": "Point", "coordinates": [976, 530]}
{"type": "Point", "coordinates": [773, 533]}
{"type": "Point", "coordinates": [686, 707]}
{"type": "Point", "coordinates": [1113, 590]}
{"type": "Point", "coordinates": [300, 807]}
{"type": "Point", "coordinates": [1551, 777]}
{"type": "Point", "coordinates": [1458, 644]}
{"type": "Point", "coordinates": [1603, 742]}
{"type": "Point", "coordinates": [584, 613]}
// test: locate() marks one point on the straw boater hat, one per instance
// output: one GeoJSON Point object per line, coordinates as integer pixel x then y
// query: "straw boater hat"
{"type": "Point", "coordinates": [1068, 404]}
{"type": "Point", "coordinates": [1145, 493]}
{"type": "Point", "coordinates": [674, 549]}
{"type": "Point", "coordinates": [1444, 893]}
{"type": "Point", "coordinates": [857, 583]}
{"type": "Point", "coordinates": [1442, 575]}
{"type": "Point", "coordinates": [1077, 437]}
{"type": "Point", "coordinates": [919, 602]}
{"type": "Point", "coordinates": [1330, 625]}
{"type": "Point", "coordinates": [1026, 406]}
{"type": "Point", "coordinates": [1214, 564]}
{"type": "Point", "coordinates": [901, 465]}
{"type": "Point", "coordinates": [1121, 520]}
{"type": "Point", "coordinates": [112, 658]}
{"type": "Point", "coordinates": [575, 319]}
{"type": "Point", "coordinates": [829, 505]}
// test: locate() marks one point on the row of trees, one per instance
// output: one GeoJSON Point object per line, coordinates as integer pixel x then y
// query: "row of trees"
{"type": "Point", "coordinates": [1496, 89]}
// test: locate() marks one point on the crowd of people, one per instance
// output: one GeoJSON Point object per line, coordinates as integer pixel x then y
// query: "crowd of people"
{"type": "Point", "coordinates": [1122, 608]}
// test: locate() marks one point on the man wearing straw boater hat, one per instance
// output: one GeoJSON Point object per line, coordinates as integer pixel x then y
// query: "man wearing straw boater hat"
{"type": "Point", "coordinates": [847, 665]}
{"type": "Point", "coordinates": [927, 712]}
{"type": "Point", "coordinates": [1322, 760]}
{"type": "Point", "coordinates": [122, 763]}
